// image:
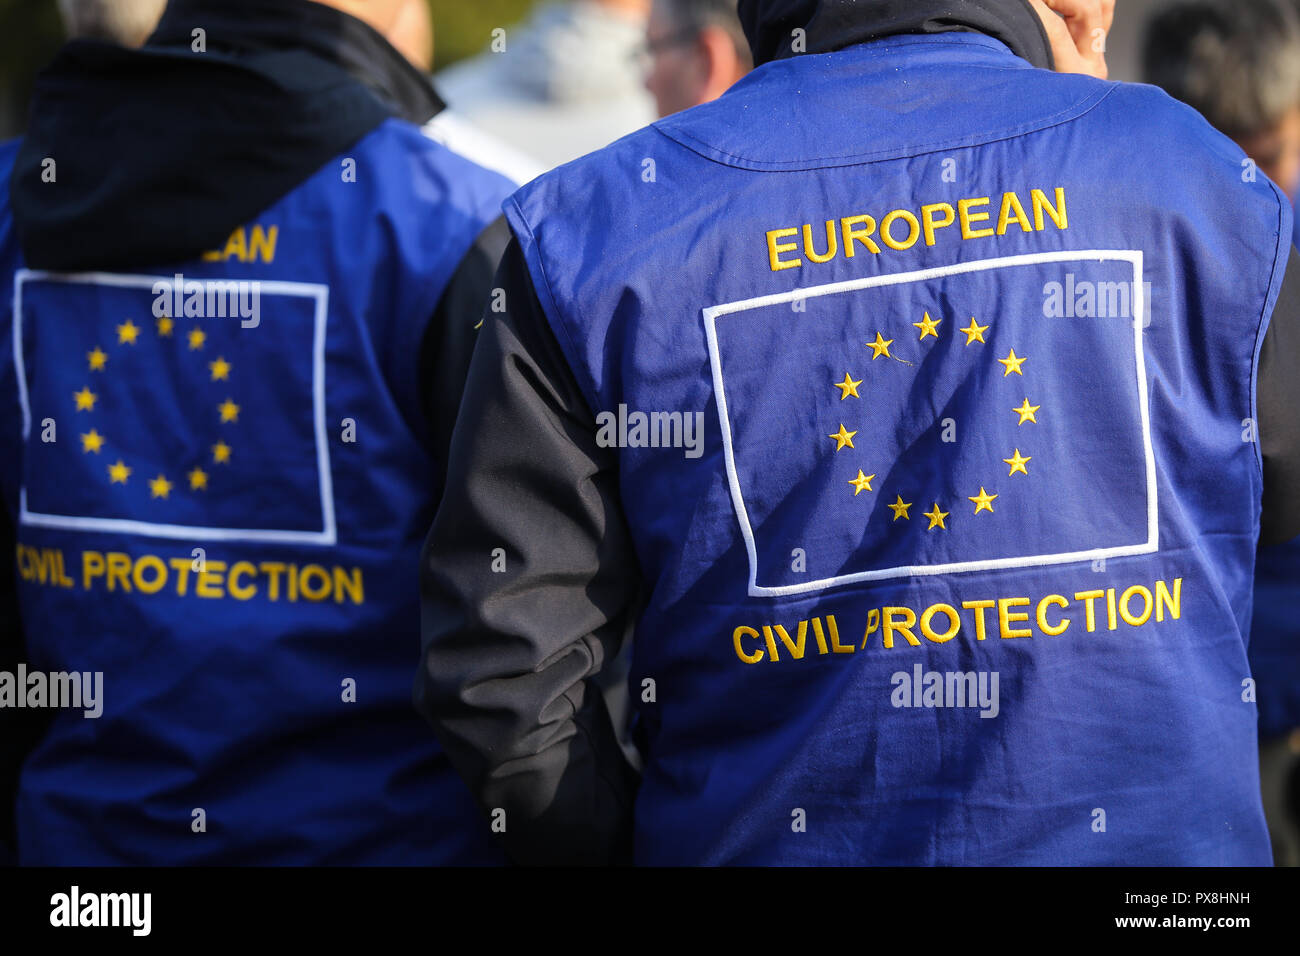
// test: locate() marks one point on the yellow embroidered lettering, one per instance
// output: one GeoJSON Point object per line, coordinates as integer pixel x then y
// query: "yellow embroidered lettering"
{"type": "Point", "coordinates": [1052, 629]}
{"type": "Point", "coordinates": [979, 607]}
{"type": "Point", "coordinates": [931, 224]}
{"type": "Point", "coordinates": [967, 217]}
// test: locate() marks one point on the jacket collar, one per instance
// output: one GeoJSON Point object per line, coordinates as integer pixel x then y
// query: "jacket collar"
{"type": "Point", "coordinates": [829, 25]}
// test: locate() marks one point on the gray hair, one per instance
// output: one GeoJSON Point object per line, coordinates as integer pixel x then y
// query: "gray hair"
{"type": "Point", "coordinates": [698, 14]}
{"type": "Point", "coordinates": [1237, 62]}
{"type": "Point", "coordinates": [126, 22]}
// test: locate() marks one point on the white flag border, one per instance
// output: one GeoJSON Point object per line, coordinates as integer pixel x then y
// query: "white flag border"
{"type": "Point", "coordinates": [328, 534]}
{"type": "Point", "coordinates": [1150, 546]}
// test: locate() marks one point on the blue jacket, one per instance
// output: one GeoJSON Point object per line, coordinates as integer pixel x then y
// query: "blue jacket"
{"type": "Point", "coordinates": [962, 570]}
{"type": "Point", "coordinates": [219, 492]}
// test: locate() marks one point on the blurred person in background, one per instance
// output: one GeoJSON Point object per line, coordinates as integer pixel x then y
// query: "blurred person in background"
{"type": "Point", "coordinates": [261, 481]}
{"type": "Point", "coordinates": [695, 50]}
{"type": "Point", "coordinates": [128, 22]}
{"type": "Point", "coordinates": [561, 84]}
{"type": "Point", "coordinates": [411, 34]}
{"type": "Point", "coordinates": [1238, 63]}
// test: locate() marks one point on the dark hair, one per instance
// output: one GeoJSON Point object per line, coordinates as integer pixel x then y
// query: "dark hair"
{"type": "Point", "coordinates": [1235, 61]}
{"type": "Point", "coordinates": [698, 14]}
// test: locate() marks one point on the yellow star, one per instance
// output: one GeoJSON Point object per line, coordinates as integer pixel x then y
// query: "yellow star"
{"type": "Point", "coordinates": [1018, 463]}
{"type": "Point", "coordinates": [974, 333]}
{"type": "Point", "coordinates": [198, 479]}
{"type": "Point", "coordinates": [85, 399]}
{"type": "Point", "coordinates": [127, 333]}
{"type": "Point", "coordinates": [196, 338]}
{"type": "Point", "coordinates": [1013, 364]}
{"type": "Point", "coordinates": [936, 518]}
{"type": "Point", "coordinates": [97, 359]}
{"type": "Point", "coordinates": [842, 438]}
{"type": "Point", "coordinates": [928, 326]}
{"type": "Point", "coordinates": [220, 369]}
{"type": "Point", "coordinates": [983, 501]}
{"type": "Point", "coordinates": [861, 483]}
{"type": "Point", "coordinates": [880, 347]}
{"type": "Point", "coordinates": [229, 411]}
{"type": "Point", "coordinates": [92, 441]}
{"type": "Point", "coordinates": [848, 387]}
{"type": "Point", "coordinates": [1026, 412]}
{"type": "Point", "coordinates": [165, 325]}
{"type": "Point", "coordinates": [900, 508]}
{"type": "Point", "coordinates": [118, 473]}
{"type": "Point", "coordinates": [221, 453]}
{"type": "Point", "coordinates": [159, 487]}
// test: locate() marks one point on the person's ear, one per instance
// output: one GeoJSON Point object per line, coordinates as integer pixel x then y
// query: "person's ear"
{"type": "Point", "coordinates": [721, 65]}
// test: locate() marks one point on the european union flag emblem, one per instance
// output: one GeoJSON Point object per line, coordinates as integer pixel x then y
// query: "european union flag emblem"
{"type": "Point", "coordinates": [938, 421]}
{"type": "Point", "coordinates": [169, 418]}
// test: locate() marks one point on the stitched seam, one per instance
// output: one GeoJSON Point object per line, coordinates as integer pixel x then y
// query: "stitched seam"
{"type": "Point", "coordinates": [1074, 112]}
{"type": "Point", "coordinates": [1280, 253]}
{"type": "Point", "coordinates": [572, 352]}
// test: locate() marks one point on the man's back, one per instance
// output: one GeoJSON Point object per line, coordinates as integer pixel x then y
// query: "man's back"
{"type": "Point", "coordinates": [246, 458]}
{"type": "Point", "coordinates": [960, 570]}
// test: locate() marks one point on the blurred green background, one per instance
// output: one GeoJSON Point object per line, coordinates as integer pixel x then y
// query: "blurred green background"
{"type": "Point", "coordinates": [30, 32]}
{"type": "Point", "coordinates": [461, 29]}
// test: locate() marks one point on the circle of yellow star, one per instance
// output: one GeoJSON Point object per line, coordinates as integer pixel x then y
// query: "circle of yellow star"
{"type": "Point", "coordinates": [842, 438]}
{"type": "Point", "coordinates": [198, 479]}
{"type": "Point", "coordinates": [861, 483]}
{"type": "Point", "coordinates": [983, 501]}
{"type": "Point", "coordinates": [97, 359]}
{"type": "Point", "coordinates": [1026, 412]}
{"type": "Point", "coordinates": [92, 441]}
{"type": "Point", "coordinates": [165, 325]}
{"type": "Point", "coordinates": [127, 333]}
{"type": "Point", "coordinates": [848, 387]}
{"type": "Point", "coordinates": [230, 411]}
{"type": "Point", "coordinates": [880, 347]}
{"type": "Point", "coordinates": [220, 369]}
{"type": "Point", "coordinates": [974, 333]}
{"type": "Point", "coordinates": [936, 518]}
{"type": "Point", "coordinates": [118, 473]}
{"type": "Point", "coordinates": [1017, 463]}
{"type": "Point", "coordinates": [900, 508]}
{"type": "Point", "coordinates": [196, 339]}
{"type": "Point", "coordinates": [221, 453]}
{"type": "Point", "coordinates": [1013, 363]}
{"type": "Point", "coordinates": [928, 326]}
{"type": "Point", "coordinates": [159, 487]}
{"type": "Point", "coordinates": [85, 399]}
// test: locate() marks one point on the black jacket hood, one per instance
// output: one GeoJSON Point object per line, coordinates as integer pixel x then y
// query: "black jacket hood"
{"type": "Point", "coordinates": [159, 153]}
{"type": "Point", "coordinates": [834, 24]}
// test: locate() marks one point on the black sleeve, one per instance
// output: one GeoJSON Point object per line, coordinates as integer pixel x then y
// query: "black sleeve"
{"type": "Point", "coordinates": [1278, 408]}
{"type": "Point", "coordinates": [449, 339]}
{"type": "Point", "coordinates": [529, 581]}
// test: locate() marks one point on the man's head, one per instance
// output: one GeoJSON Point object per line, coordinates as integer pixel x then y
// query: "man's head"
{"type": "Point", "coordinates": [1238, 63]}
{"type": "Point", "coordinates": [696, 50]}
{"type": "Point", "coordinates": [125, 22]}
